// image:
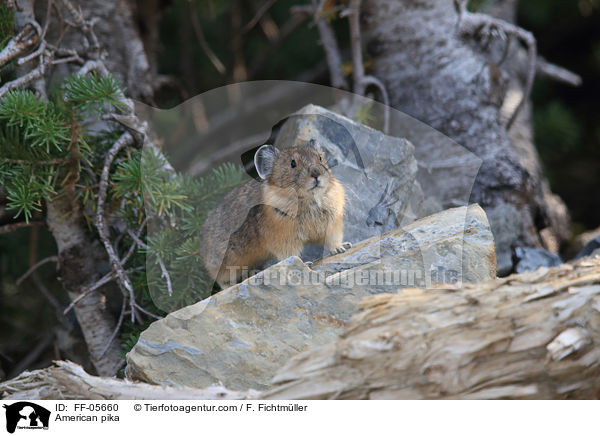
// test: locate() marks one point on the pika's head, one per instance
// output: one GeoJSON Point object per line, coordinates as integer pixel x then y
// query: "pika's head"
{"type": "Point", "coordinates": [302, 168]}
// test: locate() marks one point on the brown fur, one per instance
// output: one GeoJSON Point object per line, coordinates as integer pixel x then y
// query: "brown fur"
{"type": "Point", "coordinates": [275, 218]}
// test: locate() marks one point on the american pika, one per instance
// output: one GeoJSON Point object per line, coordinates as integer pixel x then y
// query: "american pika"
{"type": "Point", "coordinates": [298, 201]}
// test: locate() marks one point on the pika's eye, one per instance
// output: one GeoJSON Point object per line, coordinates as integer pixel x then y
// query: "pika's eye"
{"type": "Point", "coordinates": [293, 163]}
{"type": "Point", "coordinates": [320, 158]}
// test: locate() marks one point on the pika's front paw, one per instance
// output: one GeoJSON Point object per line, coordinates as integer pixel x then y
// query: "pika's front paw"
{"type": "Point", "coordinates": [342, 248]}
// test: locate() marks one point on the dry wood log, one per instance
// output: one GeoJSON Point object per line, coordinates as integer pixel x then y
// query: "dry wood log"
{"type": "Point", "coordinates": [533, 335]}
{"type": "Point", "coordinates": [68, 381]}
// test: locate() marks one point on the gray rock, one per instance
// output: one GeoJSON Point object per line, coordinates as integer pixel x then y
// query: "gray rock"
{"type": "Point", "coordinates": [241, 336]}
{"type": "Point", "coordinates": [378, 171]}
{"type": "Point", "coordinates": [530, 259]}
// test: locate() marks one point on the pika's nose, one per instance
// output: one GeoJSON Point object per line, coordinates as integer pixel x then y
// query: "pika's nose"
{"type": "Point", "coordinates": [314, 172]}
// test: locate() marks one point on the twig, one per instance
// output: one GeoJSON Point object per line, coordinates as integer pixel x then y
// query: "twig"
{"type": "Point", "coordinates": [86, 27]}
{"type": "Point", "coordinates": [33, 55]}
{"type": "Point", "coordinates": [137, 236]}
{"type": "Point", "coordinates": [18, 44]}
{"type": "Point", "coordinates": [202, 41]}
{"type": "Point", "coordinates": [286, 30]}
{"type": "Point", "coordinates": [372, 80]}
{"type": "Point", "coordinates": [93, 66]}
{"type": "Point", "coordinates": [35, 267]}
{"type": "Point", "coordinates": [479, 25]}
{"type": "Point", "coordinates": [33, 75]}
{"type": "Point", "coordinates": [117, 327]}
{"type": "Point", "coordinates": [125, 140]}
{"type": "Point", "coordinates": [240, 72]}
{"type": "Point", "coordinates": [7, 228]}
{"type": "Point", "coordinates": [52, 300]}
{"type": "Point", "coordinates": [544, 68]}
{"type": "Point", "coordinates": [163, 268]}
{"type": "Point", "coordinates": [141, 309]}
{"type": "Point", "coordinates": [34, 162]}
{"type": "Point", "coordinates": [358, 69]}
{"type": "Point", "coordinates": [33, 354]}
{"type": "Point", "coordinates": [104, 280]}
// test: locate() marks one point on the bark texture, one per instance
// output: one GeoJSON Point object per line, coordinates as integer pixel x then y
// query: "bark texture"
{"type": "Point", "coordinates": [68, 381]}
{"type": "Point", "coordinates": [533, 335]}
{"type": "Point", "coordinates": [436, 76]}
{"type": "Point", "coordinates": [79, 260]}
{"type": "Point", "coordinates": [121, 47]}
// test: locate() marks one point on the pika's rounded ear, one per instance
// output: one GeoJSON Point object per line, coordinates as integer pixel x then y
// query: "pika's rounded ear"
{"type": "Point", "coordinates": [264, 159]}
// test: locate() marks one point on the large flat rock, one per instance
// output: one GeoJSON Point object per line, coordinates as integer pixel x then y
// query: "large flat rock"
{"type": "Point", "coordinates": [241, 336]}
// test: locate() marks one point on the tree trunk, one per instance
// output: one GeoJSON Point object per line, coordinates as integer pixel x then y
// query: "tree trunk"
{"type": "Point", "coordinates": [439, 78]}
{"type": "Point", "coordinates": [534, 335]}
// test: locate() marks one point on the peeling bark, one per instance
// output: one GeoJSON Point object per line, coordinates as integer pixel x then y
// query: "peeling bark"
{"type": "Point", "coordinates": [527, 336]}
{"type": "Point", "coordinates": [436, 76]}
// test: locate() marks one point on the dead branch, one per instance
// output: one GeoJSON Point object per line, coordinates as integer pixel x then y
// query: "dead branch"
{"type": "Point", "coordinates": [163, 268]}
{"type": "Point", "coordinates": [7, 228]}
{"type": "Point", "coordinates": [32, 76]}
{"type": "Point", "coordinates": [125, 140]}
{"type": "Point", "coordinates": [372, 80]}
{"type": "Point", "coordinates": [486, 28]}
{"type": "Point", "coordinates": [105, 279]}
{"type": "Point", "coordinates": [240, 72]}
{"type": "Point", "coordinates": [361, 81]}
{"type": "Point", "coordinates": [258, 15]}
{"type": "Point", "coordinates": [35, 267]}
{"type": "Point", "coordinates": [328, 41]}
{"type": "Point", "coordinates": [144, 311]}
{"type": "Point", "coordinates": [19, 44]}
{"type": "Point", "coordinates": [117, 327]}
{"type": "Point", "coordinates": [86, 27]}
{"type": "Point", "coordinates": [544, 68]}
